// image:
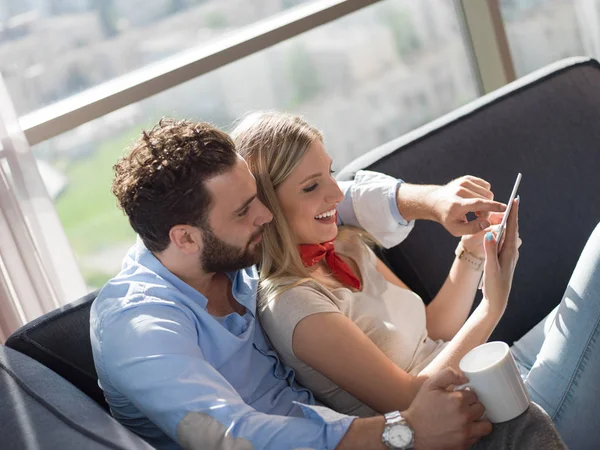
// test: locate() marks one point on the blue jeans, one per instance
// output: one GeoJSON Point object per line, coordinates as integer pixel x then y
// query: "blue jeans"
{"type": "Point", "coordinates": [560, 357]}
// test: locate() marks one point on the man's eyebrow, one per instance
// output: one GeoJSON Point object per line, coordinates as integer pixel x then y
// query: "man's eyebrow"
{"type": "Point", "coordinates": [246, 203]}
{"type": "Point", "coordinates": [314, 175]}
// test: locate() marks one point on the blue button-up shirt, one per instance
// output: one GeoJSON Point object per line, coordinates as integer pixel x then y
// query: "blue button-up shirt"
{"type": "Point", "coordinates": [180, 377]}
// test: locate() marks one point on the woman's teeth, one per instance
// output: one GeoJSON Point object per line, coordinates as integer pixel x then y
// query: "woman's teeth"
{"type": "Point", "coordinates": [326, 215]}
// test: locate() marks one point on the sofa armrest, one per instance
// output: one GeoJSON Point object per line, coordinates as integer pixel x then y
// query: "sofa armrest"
{"type": "Point", "coordinates": [40, 410]}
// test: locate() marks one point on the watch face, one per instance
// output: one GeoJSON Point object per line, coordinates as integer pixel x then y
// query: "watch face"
{"type": "Point", "coordinates": [399, 435]}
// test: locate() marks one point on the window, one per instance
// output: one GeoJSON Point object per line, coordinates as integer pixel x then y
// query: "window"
{"type": "Point", "coordinates": [87, 42]}
{"type": "Point", "coordinates": [340, 76]}
{"type": "Point", "coordinates": [540, 32]}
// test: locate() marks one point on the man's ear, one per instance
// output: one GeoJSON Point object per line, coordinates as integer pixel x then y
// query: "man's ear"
{"type": "Point", "coordinates": [186, 238]}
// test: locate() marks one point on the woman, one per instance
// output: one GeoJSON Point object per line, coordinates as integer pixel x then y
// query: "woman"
{"type": "Point", "coordinates": [353, 331]}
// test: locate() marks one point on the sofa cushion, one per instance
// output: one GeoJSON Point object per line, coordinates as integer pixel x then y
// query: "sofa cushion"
{"type": "Point", "coordinates": [40, 410]}
{"type": "Point", "coordinates": [545, 125]}
{"type": "Point", "coordinates": [61, 341]}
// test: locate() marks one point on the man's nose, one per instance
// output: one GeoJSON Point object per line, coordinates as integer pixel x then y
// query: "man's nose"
{"type": "Point", "coordinates": [264, 215]}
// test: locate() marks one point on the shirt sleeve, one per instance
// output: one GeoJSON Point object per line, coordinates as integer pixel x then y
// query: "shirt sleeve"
{"type": "Point", "coordinates": [370, 203]}
{"type": "Point", "coordinates": [153, 358]}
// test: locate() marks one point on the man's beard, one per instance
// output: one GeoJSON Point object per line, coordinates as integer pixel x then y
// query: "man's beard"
{"type": "Point", "coordinates": [219, 256]}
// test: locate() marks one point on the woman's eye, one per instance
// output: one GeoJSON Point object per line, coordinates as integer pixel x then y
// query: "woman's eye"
{"type": "Point", "coordinates": [331, 171]}
{"type": "Point", "coordinates": [310, 188]}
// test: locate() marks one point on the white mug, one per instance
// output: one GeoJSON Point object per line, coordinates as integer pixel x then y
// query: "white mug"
{"type": "Point", "coordinates": [494, 377]}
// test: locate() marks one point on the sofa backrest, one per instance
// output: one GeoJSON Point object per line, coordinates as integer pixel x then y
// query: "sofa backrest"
{"type": "Point", "coordinates": [60, 340]}
{"type": "Point", "coordinates": [545, 125]}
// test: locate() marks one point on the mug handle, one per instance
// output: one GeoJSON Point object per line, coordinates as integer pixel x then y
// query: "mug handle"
{"type": "Point", "coordinates": [462, 387]}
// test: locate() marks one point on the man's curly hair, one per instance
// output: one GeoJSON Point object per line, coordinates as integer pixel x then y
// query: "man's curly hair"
{"type": "Point", "coordinates": [160, 182]}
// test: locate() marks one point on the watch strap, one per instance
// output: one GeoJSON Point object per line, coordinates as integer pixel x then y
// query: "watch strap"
{"type": "Point", "coordinates": [463, 254]}
{"type": "Point", "coordinates": [392, 419]}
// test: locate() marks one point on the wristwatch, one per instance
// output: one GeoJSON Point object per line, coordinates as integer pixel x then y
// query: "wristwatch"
{"type": "Point", "coordinates": [463, 254]}
{"type": "Point", "coordinates": [397, 434]}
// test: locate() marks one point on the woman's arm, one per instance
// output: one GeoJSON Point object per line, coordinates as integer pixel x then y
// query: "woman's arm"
{"type": "Point", "coordinates": [498, 275]}
{"type": "Point", "coordinates": [450, 308]}
{"type": "Point", "coordinates": [334, 346]}
{"type": "Point", "coordinates": [471, 334]}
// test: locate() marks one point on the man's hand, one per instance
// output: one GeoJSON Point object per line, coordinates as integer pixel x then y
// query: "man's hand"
{"type": "Point", "coordinates": [446, 419]}
{"type": "Point", "coordinates": [449, 204]}
{"type": "Point", "coordinates": [473, 243]}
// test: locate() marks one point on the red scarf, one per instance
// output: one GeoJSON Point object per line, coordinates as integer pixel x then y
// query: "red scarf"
{"type": "Point", "coordinates": [311, 254]}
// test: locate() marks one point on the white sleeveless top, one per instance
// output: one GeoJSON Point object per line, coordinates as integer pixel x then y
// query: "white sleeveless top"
{"type": "Point", "coordinates": [392, 317]}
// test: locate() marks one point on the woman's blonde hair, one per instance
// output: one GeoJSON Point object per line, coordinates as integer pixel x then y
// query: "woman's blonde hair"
{"type": "Point", "coordinates": [273, 143]}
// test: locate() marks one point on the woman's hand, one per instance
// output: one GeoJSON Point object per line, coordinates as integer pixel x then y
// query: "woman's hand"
{"type": "Point", "coordinates": [473, 243]}
{"type": "Point", "coordinates": [500, 267]}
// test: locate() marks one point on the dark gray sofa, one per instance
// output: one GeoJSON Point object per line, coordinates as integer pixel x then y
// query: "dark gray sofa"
{"type": "Point", "coordinates": [544, 125]}
{"type": "Point", "coordinates": [41, 410]}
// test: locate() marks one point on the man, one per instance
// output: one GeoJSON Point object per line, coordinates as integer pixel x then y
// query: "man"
{"type": "Point", "coordinates": [180, 355]}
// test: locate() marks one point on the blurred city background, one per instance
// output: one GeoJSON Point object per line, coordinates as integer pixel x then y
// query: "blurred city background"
{"type": "Point", "coordinates": [363, 80]}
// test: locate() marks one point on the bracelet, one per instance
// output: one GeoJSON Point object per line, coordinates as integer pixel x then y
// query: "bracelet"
{"type": "Point", "coordinates": [463, 254]}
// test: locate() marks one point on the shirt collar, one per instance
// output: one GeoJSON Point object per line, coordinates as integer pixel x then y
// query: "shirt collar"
{"type": "Point", "coordinates": [244, 282]}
